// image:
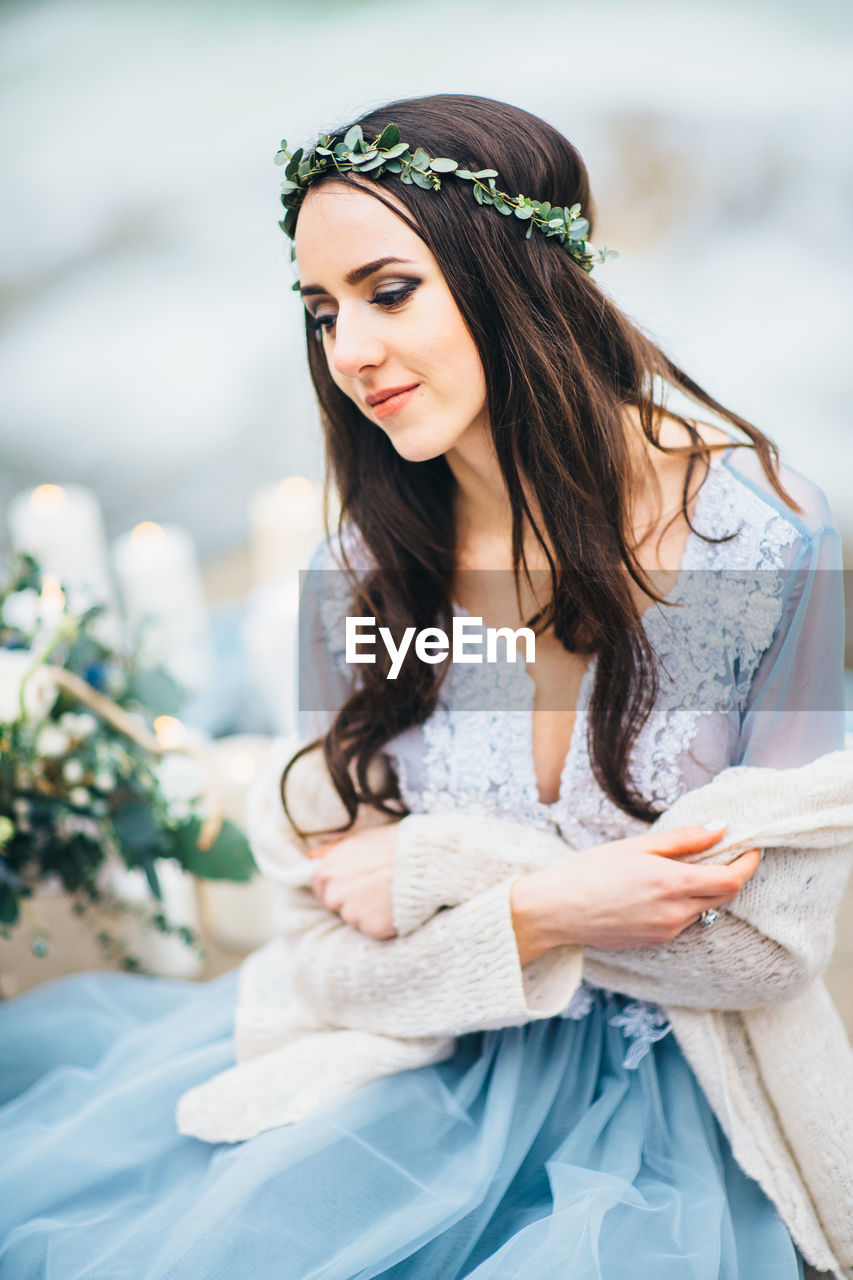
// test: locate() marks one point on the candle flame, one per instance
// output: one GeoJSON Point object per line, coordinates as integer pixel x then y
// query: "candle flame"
{"type": "Point", "coordinates": [52, 596]}
{"type": "Point", "coordinates": [48, 499]}
{"type": "Point", "coordinates": [147, 531]}
{"type": "Point", "coordinates": [170, 731]}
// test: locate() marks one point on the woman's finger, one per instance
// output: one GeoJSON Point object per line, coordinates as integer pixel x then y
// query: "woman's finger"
{"type": "Point", "coordinates": [322, 849]}
{"type": "Point", "coordinates": [670, 844]}
{"type": "Point", "coordinates": [724, 879]}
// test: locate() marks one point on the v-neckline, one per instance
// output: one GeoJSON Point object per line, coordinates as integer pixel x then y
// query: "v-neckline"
{"type": "Point", "coordinates": [532, 791]}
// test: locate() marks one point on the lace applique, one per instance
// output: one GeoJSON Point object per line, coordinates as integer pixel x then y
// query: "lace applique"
{"type": "Point", "coordinates": [644, 1024]}
{"type": "Point", "coordinates": [641, 1022]}
{"type": "Point", "coordinates": [581, 1003]}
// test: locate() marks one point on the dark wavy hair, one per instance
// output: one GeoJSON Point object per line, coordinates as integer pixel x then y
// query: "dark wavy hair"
{"type": "Point", "coordinates": [560, 362]}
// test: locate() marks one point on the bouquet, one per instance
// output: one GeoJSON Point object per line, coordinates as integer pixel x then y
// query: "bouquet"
{"type": "Point", "coordinates": [79, 757]}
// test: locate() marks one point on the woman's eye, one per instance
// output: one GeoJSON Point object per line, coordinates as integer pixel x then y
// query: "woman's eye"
{"type": "Point", "coordinates": [391, 297]}
{"type": "Point", "coordinates": [318, 323]}
{"type": "Point", "coordinates": [386, 298]}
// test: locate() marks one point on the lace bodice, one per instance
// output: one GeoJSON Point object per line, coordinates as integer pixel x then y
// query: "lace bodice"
{"type": "Point", "coordinates": [474, 753]}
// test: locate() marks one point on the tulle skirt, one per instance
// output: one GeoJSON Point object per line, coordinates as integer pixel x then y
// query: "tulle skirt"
{"type": "Point", "coordinates": [533, 1152]}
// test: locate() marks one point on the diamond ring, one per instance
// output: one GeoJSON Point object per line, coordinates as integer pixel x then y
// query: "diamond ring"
{"type": "Point", "coordinates": [709, 916]}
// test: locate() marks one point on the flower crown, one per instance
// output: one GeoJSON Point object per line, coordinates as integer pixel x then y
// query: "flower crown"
{"type": "Point", "coordinates": [387, 154]}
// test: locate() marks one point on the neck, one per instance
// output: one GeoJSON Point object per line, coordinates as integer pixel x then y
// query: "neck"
{"type": "Point", "coordinates": [482, 506]}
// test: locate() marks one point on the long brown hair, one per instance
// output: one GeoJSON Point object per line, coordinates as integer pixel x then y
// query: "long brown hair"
{"type": "Point", "coordinates": [561, 362]}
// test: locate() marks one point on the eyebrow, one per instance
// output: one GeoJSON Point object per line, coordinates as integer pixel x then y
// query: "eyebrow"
{"type": "Point", "coordinates": [353, 277]}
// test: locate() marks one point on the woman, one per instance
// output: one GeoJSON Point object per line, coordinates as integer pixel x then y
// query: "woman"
{"type": "Point", "coordinates": [486, 407]}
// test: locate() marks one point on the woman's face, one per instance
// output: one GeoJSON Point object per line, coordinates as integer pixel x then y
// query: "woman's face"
{"type": "Point", "coordinates": [388, 322]}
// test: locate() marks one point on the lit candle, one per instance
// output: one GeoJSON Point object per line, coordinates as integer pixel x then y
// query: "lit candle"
{"type": "Point", "coordinates": [62, 526]}
{"type": "Point", "coordinates": [238, 916]}
{"type": "Point", "coordinates": [286, 523]}
{"type": "Point", "coordinates": [160, 580]}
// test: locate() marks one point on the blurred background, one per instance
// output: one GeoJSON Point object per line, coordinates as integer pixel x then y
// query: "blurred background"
{"type": "Point", "coordinates": [151, 351]}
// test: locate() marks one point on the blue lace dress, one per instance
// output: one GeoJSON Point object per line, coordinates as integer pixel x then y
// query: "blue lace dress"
{"type": "Point", "coordinates": [579, 1145]}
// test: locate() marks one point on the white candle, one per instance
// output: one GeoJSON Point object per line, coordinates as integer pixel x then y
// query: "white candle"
{"type": "Point", "coordinates": [286, 523]}
{"type": "Point", "coordinates": [238, 916]}
{"type": "Point", "coordinates": [160, 953]}
{"type": "Point", "coordinates": [270, 640]}
{"type": "Point", "coordinates": [160, 580]}
{"type": "Point", "coordinates": [62, 526]}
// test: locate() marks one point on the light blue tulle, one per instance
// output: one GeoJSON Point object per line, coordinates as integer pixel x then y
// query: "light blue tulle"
{"type": "Point", "coordinates": [533, 1152]}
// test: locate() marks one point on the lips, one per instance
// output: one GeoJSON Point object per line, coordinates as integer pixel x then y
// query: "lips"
{"type": "Point", "coordinates": [377, 397]}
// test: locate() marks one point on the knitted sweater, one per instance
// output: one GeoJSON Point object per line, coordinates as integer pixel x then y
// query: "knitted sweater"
{"type": "Point", "coordinates": [324, 1009]}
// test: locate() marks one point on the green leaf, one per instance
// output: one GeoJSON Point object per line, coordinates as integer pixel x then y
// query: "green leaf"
{"type": "Point", "coordinates": [288, 226]}
{"type": "Point", "coordinates": [478, 194]}
{"type": "Point", "coordinates": [228, 858]}
{"type": "Point", "coordinates": [293, 166]}
{"type": "Point", "coordinates": [421, 180]}
{"type": "Point", "coordinates": [443, 165]}
{"type": "Point", "coordinates": [406, 177]}
{"type": "Point", "coordinates": [287, 186]}
{"type": "Point", "coordinates": [281, 157]}
{"type": "Point", "coordinates": [486, 173]}
{"type": "Point", "coordinates": [503, 208]}
{"type": "Point", "coordinates": [529, 232]}
{"type": "Point", "coordinates": [464, 173]}
{"type": "Point", "coordinates": [155, 690]}
{"type": "Point", "coordinates": [487, 199]}
{"type": "Point", "coordinates": [340, 150]}
{"type": "Point", "coordinates": [137, 831]}
{"type": "Point", "coordinates": [389, 137]}
{"type": "Point", "coordinates": [323, 151]}
{"type": "Point", "coordinates": [9, 909]}
{"type": "Point", "coordinates": [399, 149]}
{"type": "Point", "coordinates": [524, 212]}
{"type": "Point", "coordinates": [373, 163]}
{"type": "Point", "coordinates": [149, 866]}
{"type": "Point", "coordinates": [420, 159]}
{"type": "Point", "coordinates": [394, 166]}
{"type": "Point", "coordinates": [353, 137]}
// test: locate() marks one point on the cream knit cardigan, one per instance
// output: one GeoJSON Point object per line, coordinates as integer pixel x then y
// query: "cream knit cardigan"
{"type": "Point", "coordinates": [324, 1009]}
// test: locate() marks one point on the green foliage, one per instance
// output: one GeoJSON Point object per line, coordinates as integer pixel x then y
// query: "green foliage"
{"type": "Point", "coordinates": [75, 790]}
{"type": "Point", "coordinates": [387, 153]}
{"type": "Point", "coordinates": [228, 858]}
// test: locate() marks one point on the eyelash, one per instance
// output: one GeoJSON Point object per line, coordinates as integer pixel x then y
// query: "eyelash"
{"type": "Point", "coordinates": [388, 298]}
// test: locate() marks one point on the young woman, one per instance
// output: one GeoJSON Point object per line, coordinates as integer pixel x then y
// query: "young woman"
{"type": "Point", "coordinates": [497, 432]}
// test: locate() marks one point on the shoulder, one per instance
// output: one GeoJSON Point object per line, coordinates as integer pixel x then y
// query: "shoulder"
{"type": "Point", "coordinates": [343, 546]}
{"type": "Point", "coordinates": [741, 504]}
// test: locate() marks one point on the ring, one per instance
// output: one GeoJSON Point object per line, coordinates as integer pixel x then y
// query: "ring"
{"type": "Point", "coordinates": [709, 916]}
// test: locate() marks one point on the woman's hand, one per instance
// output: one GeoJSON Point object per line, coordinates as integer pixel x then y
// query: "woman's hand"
{"type": "Point", "coordinates": [615, 896]}
{"type": "Point", "coordinates": [354, 877]}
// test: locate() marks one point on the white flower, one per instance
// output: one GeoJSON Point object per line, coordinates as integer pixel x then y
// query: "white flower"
{"type": "Point", "coordinates": [104, 780]}
{"type": "Point", "coordinates": [39, 694]}
{"type": "Point", "coordinates": [21, 610]}
{"type": "Point", "coordinates": [52, 741]}
{"type": "Point", "coordinates": [79, 797]}
{"type": "Point", "coordinates": [86, 724]}
{"type": "Point", "coordinates": [80, 724]}
{"type": "Point", "coordinates": [73, 771]}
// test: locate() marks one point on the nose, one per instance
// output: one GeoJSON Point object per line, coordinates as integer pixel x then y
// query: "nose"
{"type": "Point", "coordinates": [357, 346]}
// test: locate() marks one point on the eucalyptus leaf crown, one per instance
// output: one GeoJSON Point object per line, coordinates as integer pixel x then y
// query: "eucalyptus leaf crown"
{"type": "Point", "coordinates": [387, 154]}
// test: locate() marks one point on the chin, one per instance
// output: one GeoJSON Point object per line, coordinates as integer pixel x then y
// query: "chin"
{"type": "Point", "coordinates": [419, 445]}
